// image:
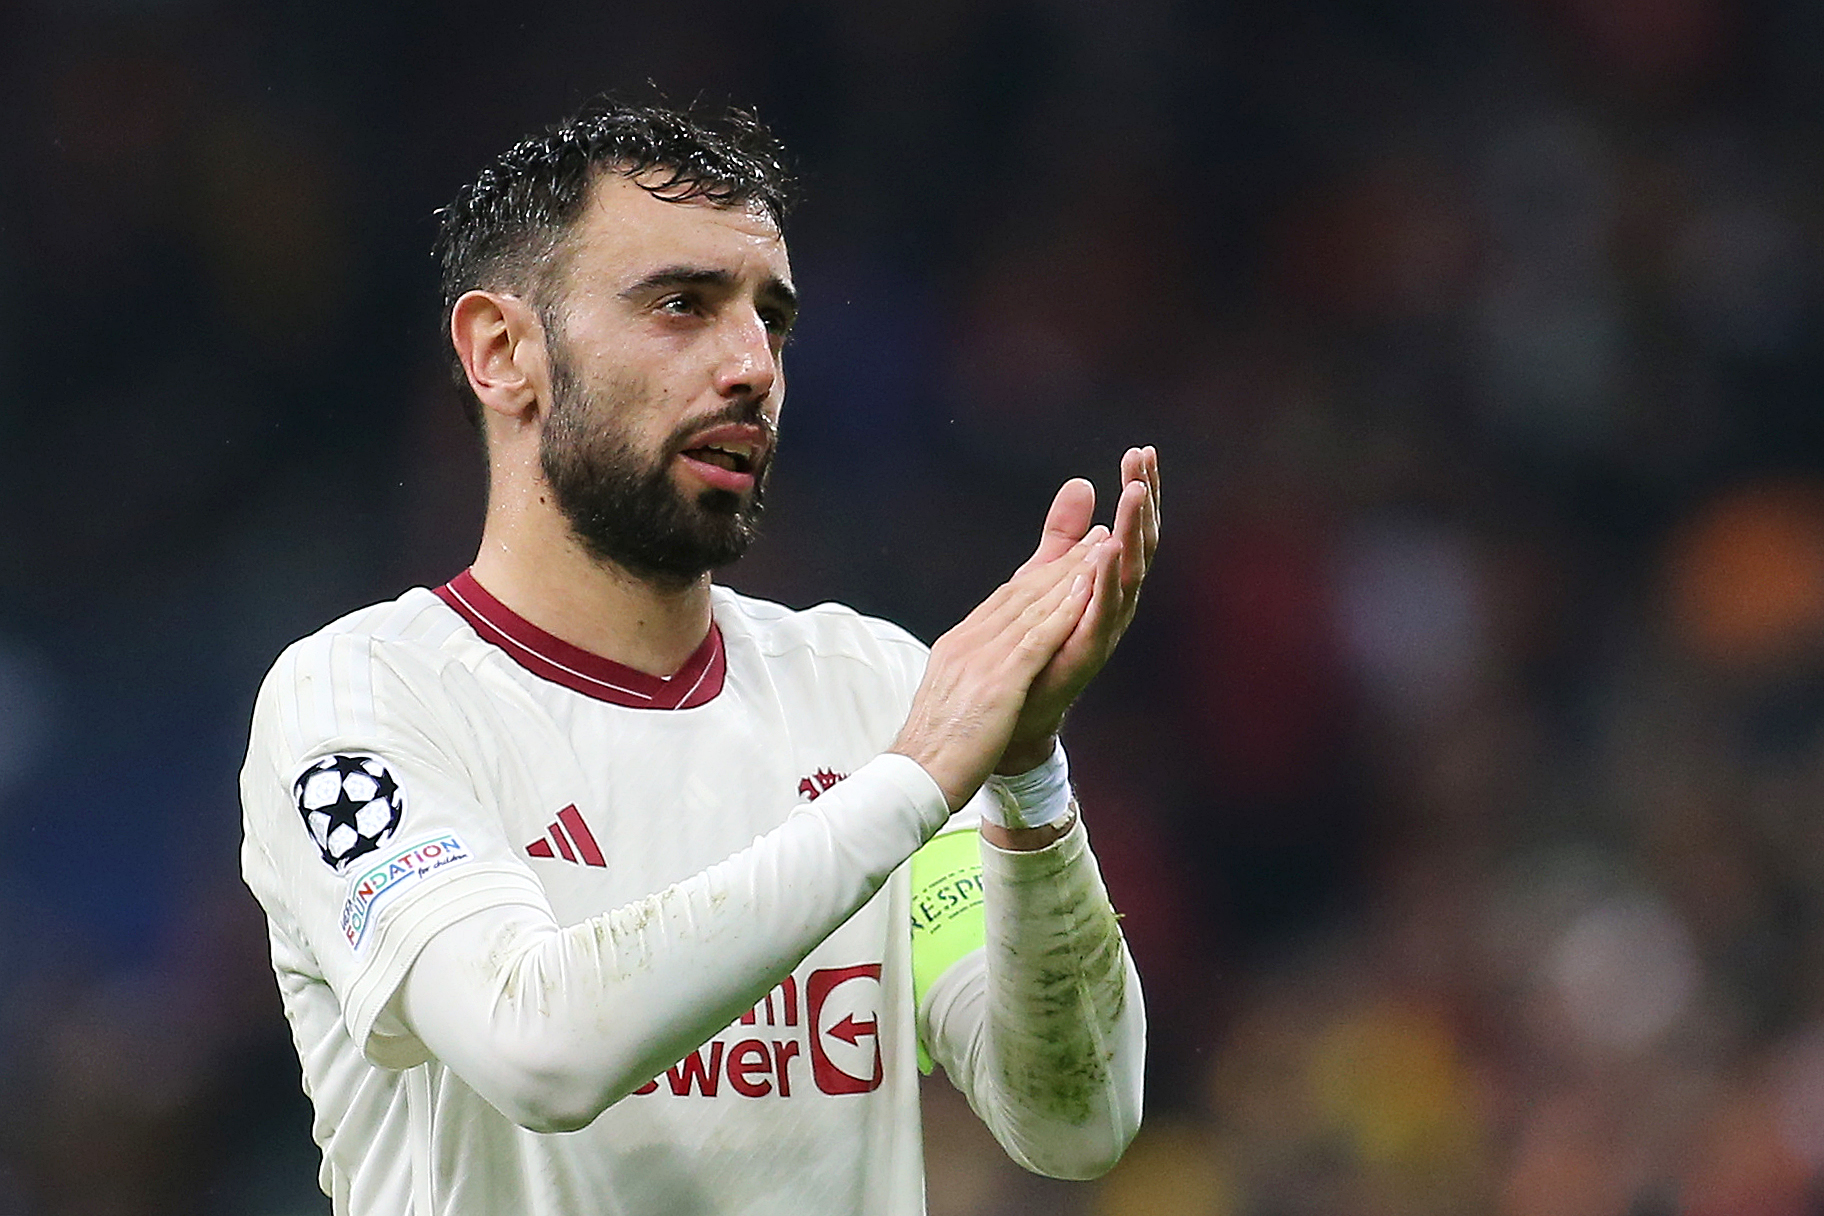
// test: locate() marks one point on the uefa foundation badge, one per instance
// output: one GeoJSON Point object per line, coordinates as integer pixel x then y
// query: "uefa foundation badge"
{"type": "Point", "coordinates": [383, 881]}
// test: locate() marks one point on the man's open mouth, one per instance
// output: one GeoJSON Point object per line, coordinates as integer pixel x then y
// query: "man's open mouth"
{"type": "Point", "coordinates": [733, 457]}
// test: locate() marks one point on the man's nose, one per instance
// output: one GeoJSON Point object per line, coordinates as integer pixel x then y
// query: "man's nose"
{"type": "Point", "coordinates": [749, 365]}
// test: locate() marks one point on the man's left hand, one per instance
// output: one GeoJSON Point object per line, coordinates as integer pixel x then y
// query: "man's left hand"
{"type": "Point", "coordinates": [1120, 570]}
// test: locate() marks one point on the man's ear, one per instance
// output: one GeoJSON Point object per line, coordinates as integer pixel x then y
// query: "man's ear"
{"type": "Point", "coordinates": [502, 347]}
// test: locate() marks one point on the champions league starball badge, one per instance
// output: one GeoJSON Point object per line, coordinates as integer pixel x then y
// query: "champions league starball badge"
{"type": "Point", "coordinates": [350, 805]}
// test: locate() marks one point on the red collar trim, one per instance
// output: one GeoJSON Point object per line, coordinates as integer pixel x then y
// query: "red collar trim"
{"type": "Point", "coordinates": [551, 658]}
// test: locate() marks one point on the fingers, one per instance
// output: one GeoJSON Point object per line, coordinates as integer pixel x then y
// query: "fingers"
{"type": "Point", "coordinates": [1110, 598]}
{"type": "Point", "coordinates": [1141, 466]}
{"type": "Point", "coordinates": [1067, 520]}
{"type": "Point", "coordinates": [1137, 516]}
{"type": "Point", "coordinates": [1119, 559]}
{"type": "Point", "coordinates": [1130, 515]}
{"type": "Point", "coordinates": [1048, 620]}
{"type": "Point", "coordinates": [980, 673]}
{"type": "Point", "coordinates": [1110, 606]}
{"type": "Point", "coordinates": [1133, 465]}
{"type": "Point", "coordinates": [1026, 620]}
{"type": "Point", "coordinates": [1120, 566]}
{"type": "Point", "coordinates": [1033, 580]}
{"type": "Point", "coordinates": [1149, 520]}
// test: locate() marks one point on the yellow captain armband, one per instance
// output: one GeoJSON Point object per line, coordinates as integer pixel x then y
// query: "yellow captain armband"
{"type": "Point", "coordinates": [947, 917]}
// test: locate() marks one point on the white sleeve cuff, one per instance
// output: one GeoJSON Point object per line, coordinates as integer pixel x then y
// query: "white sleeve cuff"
{"type": "Point", "coordinates": [909, 777]}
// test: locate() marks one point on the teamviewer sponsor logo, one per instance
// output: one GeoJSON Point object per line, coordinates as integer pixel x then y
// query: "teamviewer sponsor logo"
{"type": "Point", "coordinates": [833, 1034]}
{"type": "Point", "coordinates": [382, 883]}
{"type": "Point", "coordinates": [844, 1009]}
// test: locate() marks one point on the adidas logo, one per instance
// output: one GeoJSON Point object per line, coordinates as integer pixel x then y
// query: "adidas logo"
{"type": "Point", "coordinates": [572, 838]}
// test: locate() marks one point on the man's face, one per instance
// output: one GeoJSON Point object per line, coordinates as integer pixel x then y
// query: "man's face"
{"type": "Point", "coordinates": [664, 335]}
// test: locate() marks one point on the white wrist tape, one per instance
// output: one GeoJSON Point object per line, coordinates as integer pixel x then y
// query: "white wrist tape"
{"type": "Point", "coordinates": [1033, 799]}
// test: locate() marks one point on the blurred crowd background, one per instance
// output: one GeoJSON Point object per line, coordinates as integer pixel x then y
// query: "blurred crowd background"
{"type": "Point", "coordinates": [1462, 781]}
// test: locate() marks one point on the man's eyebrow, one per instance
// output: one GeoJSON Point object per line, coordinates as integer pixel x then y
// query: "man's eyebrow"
{"type": "Point", "coordinates": [782, 293]}
{"type": "Point", "coordinates": [678, 276]}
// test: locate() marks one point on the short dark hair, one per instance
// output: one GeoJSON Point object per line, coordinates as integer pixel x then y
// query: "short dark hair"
{"type": "Point", "coordinates": [501, 229]}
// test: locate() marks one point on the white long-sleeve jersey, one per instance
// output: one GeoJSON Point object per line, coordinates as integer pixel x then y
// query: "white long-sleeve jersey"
{"type": "Point", "coordinates": [665, 925]}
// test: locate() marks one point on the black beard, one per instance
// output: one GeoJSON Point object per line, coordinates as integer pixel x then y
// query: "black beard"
{"type": "Point", "coordinates": [624, 508]}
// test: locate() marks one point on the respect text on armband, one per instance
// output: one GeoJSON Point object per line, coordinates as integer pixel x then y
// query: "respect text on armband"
{"type": "Point", "coordinates": [946, 912]}
{"type": "Point", "coordinates": [943, 900]}
{"type": "Point", "coordinates": [385, 881]}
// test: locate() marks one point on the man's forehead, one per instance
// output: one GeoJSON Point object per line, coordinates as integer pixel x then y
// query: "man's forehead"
{"type": "Point", "coordinates": [629, 225]}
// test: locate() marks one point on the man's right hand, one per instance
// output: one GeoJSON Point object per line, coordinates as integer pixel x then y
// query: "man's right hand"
{"type": "Point", "coordinates": [976, 682]}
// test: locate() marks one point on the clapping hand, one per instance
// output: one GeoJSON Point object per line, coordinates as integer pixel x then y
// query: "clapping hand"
{"type": "Point", "coordinates": [1121, 566]}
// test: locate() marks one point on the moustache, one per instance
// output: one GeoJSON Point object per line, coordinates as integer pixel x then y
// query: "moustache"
{"type": "Point", "coordinates": [748, 411]}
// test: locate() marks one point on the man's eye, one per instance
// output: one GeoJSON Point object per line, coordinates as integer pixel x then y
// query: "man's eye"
{"type": "Point", "coordinates": [678, 306]}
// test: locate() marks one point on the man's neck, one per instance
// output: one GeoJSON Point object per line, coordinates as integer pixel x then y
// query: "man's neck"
{"type": "Point", "coordinates": [538, 569]}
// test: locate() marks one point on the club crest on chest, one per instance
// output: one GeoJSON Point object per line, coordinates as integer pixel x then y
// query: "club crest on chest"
{"type": "Point", "coordinates": [812, 787]}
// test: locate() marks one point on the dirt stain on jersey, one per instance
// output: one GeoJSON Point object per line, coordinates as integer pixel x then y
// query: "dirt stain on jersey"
{"type": "Point", "coordinates": [505, 964]}
{"type": "Point", "coordinates": [1078, 998]}
{"type": "Point", "coordinates": [621, 935]}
